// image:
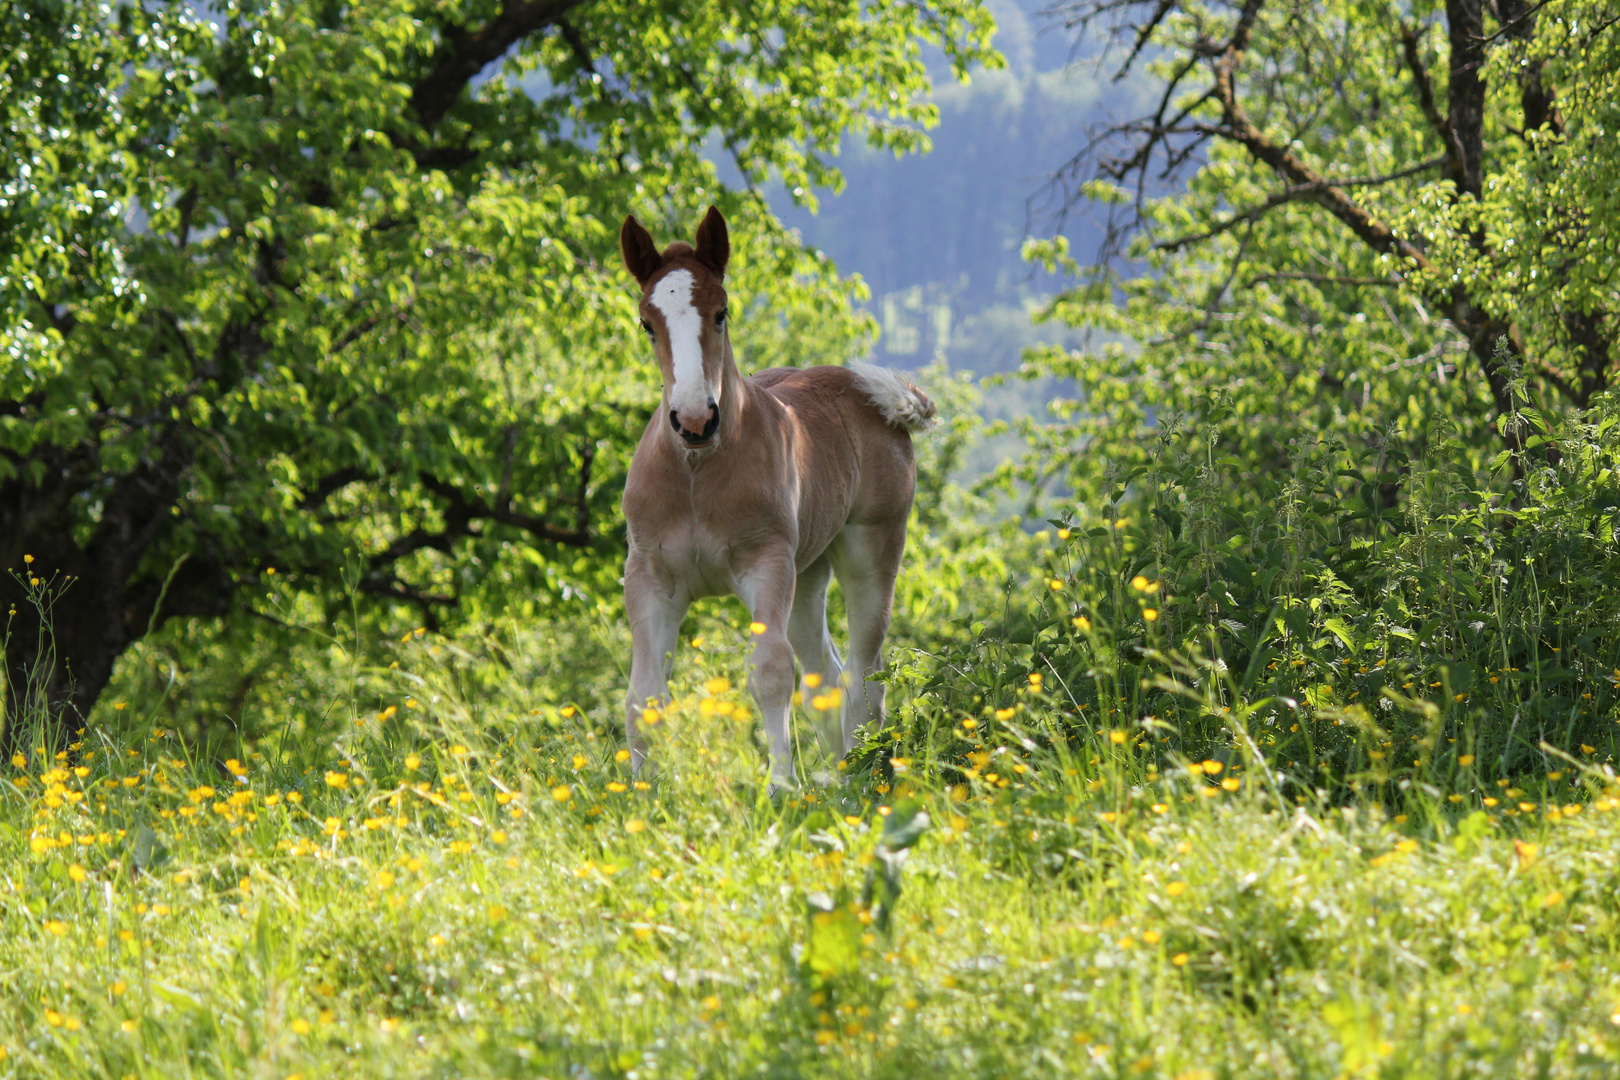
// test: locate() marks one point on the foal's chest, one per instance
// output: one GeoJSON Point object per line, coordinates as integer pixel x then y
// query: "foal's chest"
{"type": "Point", "coordinates": [691, 557]}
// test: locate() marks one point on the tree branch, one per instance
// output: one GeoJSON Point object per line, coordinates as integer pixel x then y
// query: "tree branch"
{"type": "Point", "coordinates": [1143, 33]}
{"type": "Point", "coordinates": [466, 509]}
{"type": "Point", "coordinates": [1295, 193]}
{"type": "Point", "coordinates": [1537, 98]}
{"type": "Point", "coordinates": [1325, 279]}
{"type": "Point", "coordinates": [1465, 28]}
{"type": "Point", "coordinates": [1323, 191]}
{"type": "Point", "coordinates": [464, 52]}
{"type": "Point", "coordinates": [1425, 90]}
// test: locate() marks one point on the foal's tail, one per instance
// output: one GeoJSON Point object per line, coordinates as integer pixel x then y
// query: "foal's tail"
{"type": "Point", "coordinates": [901, 404]}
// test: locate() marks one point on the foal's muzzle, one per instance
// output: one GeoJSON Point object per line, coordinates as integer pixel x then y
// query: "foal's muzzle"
{"type": "Point", "coordinates": [696, 437]}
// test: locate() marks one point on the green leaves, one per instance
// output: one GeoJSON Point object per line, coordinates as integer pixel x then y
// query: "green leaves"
{"type": "Point", "coordinates": [146, 851]}
{"type": "Point", "coordinates": [1264, 306]}
{"type": "Point", "coordinates": [905, 825]}
{"type": "Point", "coordinates": [320, 289]}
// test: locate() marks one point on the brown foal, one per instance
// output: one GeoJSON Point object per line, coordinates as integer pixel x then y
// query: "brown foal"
{"type": "Point", "coordinates": [762, 487]}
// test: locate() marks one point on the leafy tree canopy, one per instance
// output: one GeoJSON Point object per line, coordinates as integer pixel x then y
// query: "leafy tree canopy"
{"type": "Point", "coordinates": [1350, 218]}
{"type": "Point", "coordinates": [327, 290]}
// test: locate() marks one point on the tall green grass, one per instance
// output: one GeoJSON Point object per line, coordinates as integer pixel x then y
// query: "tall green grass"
{"type": "Point", "coordinates": [1359, 622]}
{"type": "Point", "coordinates": [1208, 776]}
{"type": "Point", "coordinates": [461, 891]}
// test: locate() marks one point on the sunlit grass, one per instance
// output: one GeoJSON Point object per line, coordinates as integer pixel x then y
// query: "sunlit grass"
{"type": "Point", "coordinates": [501, 897]}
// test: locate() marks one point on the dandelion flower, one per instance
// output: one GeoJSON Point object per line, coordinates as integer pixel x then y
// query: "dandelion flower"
{"type": "Point", "coordinates": [1150, 614]}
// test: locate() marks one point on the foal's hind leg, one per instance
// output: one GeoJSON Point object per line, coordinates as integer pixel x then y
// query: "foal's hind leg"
{"type": "Point", "coordinates": [818, 656]}
{"type": "Point", "coordinates": [766, 585]}
{"type": "Point", "coordinates": [866, 559]}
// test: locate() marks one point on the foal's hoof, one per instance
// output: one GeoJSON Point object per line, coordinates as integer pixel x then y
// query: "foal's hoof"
{"type": "Point", "coordinates": [827, 778]}
{"type": "Point", "coordinates": [781, 789]}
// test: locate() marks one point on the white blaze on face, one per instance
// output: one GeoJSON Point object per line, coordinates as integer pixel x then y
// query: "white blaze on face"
{"type": "Point", "coordinates": [689, 396]}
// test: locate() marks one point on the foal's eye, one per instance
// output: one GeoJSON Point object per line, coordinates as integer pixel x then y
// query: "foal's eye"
{"type": "Point", "coordinates": [647, 326]}
{"type": "Point", "coordinates": [720, 319]}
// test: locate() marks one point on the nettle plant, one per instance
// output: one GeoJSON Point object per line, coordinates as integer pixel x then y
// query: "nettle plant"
{"type": "Point", "coordinates": [1298, 623]}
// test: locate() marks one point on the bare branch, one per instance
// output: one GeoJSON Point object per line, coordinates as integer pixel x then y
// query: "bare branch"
{"type": "Point", "coordinates": [1311, 190]}
{"type": "Point", "coordinates": [1143, 34]}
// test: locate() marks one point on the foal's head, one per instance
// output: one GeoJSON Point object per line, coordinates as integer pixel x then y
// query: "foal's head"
{"type": "Point", "coordinates": [683, 310]}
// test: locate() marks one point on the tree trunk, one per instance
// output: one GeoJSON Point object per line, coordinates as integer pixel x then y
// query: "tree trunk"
{"type": "Point", "coordinates": [92, 600]}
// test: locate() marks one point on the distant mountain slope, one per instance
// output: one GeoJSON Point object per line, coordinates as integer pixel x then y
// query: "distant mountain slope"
{"type": "Point", "coordinates": [937, 236]}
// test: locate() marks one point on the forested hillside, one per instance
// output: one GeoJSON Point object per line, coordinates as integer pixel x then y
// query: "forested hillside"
{"type": "Point", "coordinates": [938, 237]}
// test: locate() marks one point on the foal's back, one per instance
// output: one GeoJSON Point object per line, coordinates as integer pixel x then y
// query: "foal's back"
{"type": "Point", "coordinates": [854, 461]}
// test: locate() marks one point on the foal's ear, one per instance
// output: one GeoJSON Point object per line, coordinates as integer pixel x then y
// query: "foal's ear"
{"type": "Point", "coordinates": [713, 242]}
{"type": "Point", "coordinates": [641, 255]}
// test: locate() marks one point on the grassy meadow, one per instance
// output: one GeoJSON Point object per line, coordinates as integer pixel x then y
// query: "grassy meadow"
{"type": "Point", "coordinates": [1254, 682]}
{"type": "Point", "coordinates": [446, 869]}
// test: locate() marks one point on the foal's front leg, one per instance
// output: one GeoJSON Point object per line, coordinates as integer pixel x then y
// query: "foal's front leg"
{"type": "Point", "coordinates": [655, 612]}
{"type": "Point", "coordinates": [766, 586]}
